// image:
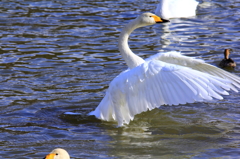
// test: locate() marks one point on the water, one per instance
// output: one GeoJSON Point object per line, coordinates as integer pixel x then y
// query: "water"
{"type": "Point", "coordinates": [59, 56]}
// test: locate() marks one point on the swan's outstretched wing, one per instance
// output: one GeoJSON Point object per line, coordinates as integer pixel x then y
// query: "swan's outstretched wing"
{"type": "Point", "coordinates": [178, 59]}
{"type": "Point", "coordinates": [155, 83]}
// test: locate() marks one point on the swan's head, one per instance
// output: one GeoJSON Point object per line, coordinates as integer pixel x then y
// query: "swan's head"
{"type": "Point", "coordinates": [58, 153]}
{"type": "Point", "coordinates": [149, 19]}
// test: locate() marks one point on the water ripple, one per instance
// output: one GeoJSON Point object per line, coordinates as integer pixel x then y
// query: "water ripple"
{"type": "Point", "coordinates": [59, 56]}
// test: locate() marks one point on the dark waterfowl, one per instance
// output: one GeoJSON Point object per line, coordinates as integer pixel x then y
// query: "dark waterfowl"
{"type": "Point", "coordinates": [227, 62]}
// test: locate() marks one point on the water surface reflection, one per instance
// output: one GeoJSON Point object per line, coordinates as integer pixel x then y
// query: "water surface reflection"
{"type": "Point", "coordinates": [59, 56]}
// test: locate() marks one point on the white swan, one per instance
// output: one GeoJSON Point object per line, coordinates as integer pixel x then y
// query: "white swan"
{"type": "Point", "coordinates": [163, 79]}
{"type": "Point", "coordinates": [176, 8]}
{"type": "Point", "coordinates": [58, 153]}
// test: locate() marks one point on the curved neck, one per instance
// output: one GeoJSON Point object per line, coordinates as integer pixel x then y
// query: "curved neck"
{"type": "Point", "coordinates": [130, 58]}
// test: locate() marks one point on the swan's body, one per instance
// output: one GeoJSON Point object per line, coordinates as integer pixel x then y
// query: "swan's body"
{"type": "Point", "coordinates": [58, 153]}
{"type": "Point", "coordinates": [162, 79]}
{"type": "Point", "coordinates": [176, 8]}
{"type": "Point", "coordinates": [227, 62]}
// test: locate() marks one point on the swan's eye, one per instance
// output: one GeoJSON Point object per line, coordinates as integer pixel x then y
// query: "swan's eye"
{"type": "Point", "coordinates": [150, 16]}
{"type": "Point", "coordinates": [56, 153]}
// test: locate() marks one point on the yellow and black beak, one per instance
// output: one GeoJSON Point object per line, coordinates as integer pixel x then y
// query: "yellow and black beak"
{"type": "Point", "coordinates": [50, 156]}
{"type": "Point", "coordinates": [159, 20]}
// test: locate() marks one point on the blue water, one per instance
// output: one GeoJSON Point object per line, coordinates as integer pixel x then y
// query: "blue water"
{"type": "Point", "coordinates": [59, 56]}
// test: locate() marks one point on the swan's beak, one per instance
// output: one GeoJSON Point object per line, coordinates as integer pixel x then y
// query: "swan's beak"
{"type": "Point", "coordinates": [165, 20]}
{"type": "Point", "coordinates": [159, 20]}
{"type": "Point", "coordinates": [50, 156]}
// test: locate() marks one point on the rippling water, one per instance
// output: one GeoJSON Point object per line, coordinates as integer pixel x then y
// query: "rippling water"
{"type": "Point", "coordinates": [59, 56]}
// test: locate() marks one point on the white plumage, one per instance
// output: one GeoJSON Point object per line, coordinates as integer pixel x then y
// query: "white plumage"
{"type": "Point", "coordinates": [176, 8]}
{"type": "Point", "coordinates": [58, 153]}
{"type": "Point", "coordinates": [163, 79]}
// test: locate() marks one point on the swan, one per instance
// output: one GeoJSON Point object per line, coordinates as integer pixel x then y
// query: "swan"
{"type": "Point", "coordinates": [227, 62]}
{"type": "Point", "coordinates": [163, 79]}
{"type": "Point", "coordinates": [58, 153]}
{"type": "Point", "coordinates": [176, 8]}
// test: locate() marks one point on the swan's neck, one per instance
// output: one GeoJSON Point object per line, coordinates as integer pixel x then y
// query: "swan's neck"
{"type": "Point", "coordinates": [130, 58]}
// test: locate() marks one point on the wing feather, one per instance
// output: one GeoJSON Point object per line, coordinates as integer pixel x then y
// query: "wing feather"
{"type": "Point", "coordinates": [166, 86]}
{"type": "Point", "coordinates": [177, 89]}
{"type": "Point", "coordinates": [155, 83]}
{"type": "Point", "coordinates": [159, 90]}
{"type": "Point", "coordinates": [197, 64]}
